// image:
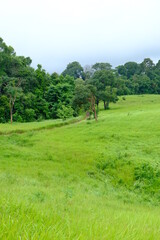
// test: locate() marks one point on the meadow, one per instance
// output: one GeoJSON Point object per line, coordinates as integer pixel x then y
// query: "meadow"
{"type": "Point", "coordinates": [83, 179]}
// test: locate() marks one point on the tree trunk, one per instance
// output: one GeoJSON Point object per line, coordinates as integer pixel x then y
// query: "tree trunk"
{"type": "Point", "coordinates": [11, 115]}
{"type": "Point", "coordinates": [93, 108]}
{"type": "Point", "coordinates": [87, 115]}
{"type": "Point", "coordinates": [107, 105]}
{"type": "Point", "coordinates": [97, 102]}
{"type": "Point", "coordinates": [104, 105]}
{"type": "Point", "coordinates": [95, 114]}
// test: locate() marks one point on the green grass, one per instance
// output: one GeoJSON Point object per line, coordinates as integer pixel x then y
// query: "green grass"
{"type": "Point", "coordinates": [85, 180]}
{"type": "Point", "coordinates": [6, 129]}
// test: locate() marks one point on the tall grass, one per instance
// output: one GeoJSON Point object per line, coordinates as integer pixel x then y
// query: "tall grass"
{"type": "Point", "coordinates": [83, 181]}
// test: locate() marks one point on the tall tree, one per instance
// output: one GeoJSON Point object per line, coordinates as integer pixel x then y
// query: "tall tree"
{"type": "Point", "coordinates": [102, 66]}
{"type": "Point", "coordinates": [84, 97]}
{"type": "Point", "coordinates": [60, 95]}
{"type": "Point", "coordinates": [13, 90]}
{"type": "Point", "coordinates": [100, 80]}
{"type": "Point", "coordinates": [128, 69]}
{"type": "Point", "coordinates": [75, 70]}
{"type": "Point", "coordinates": [88, 71]}
{"type": "Point", "coordinates": [108, 96]}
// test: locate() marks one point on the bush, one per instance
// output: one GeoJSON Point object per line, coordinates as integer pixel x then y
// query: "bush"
{"type": "Point", "coordinates": [17, 117]}
{"type": "Point", "coordinates": [65, 112]}
{"type": "Point", "coordinates": [147, 178]}
{"type": "Point", "coordinates": [29, 115]}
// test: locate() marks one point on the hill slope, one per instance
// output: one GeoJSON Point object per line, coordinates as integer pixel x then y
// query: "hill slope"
{"type": "Point", "coordinates": [86, 180]}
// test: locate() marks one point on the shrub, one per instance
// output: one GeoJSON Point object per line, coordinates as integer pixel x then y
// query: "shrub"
{"type": "Point", "coordinates": [65, 112]}
{"type": "Point", "coordinates": [29, 115]}
{"type": "Point", "coordinates": [17, 117]}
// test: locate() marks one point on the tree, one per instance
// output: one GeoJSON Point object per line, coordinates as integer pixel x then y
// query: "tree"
{"type": "Point", "coordinates": [84, 97]}
{"type": "Point", "coordinates": [88, 71]}
{"type": "Point", "coordinates": [142, 84]}
{"type": "Point", "coordinates": [158, 65]}
{"type": "Point", "coordinates": [75, 70]}
{"type": "Point", "coordinates": [121, 70]}
{"type": "Point", "coordinates": [109, 95]}
{"type": "Point", "coordinates": [102, 66]}
{"type": "Point", "coordinates": [60, 95]}
{"type": "Point", "coordinates": [4, 109]}
{"type": "Point", "coordinates": [129, 69]}
{"type": "Point", "coordinates": [43, 79]}
{"type": "Point", "coordinates": [13, 89]}
{"type": "Point", "coordinates": [100, 80]}
{"type": "Point", "coordinates": [6, 55]}
{"type": "Point", "coordinates": [147, 66]}
{"type": "Point", "coordinates": [92, 98]}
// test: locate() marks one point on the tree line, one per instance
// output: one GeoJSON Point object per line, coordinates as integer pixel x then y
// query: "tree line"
{"type": "Point", "coordinates": [28, 94]}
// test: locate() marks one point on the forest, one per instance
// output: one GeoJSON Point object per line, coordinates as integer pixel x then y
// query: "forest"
{"type": "Point", "coordinates": [28, 94]}
{"type": "Point", "coordinates": [64, 177]}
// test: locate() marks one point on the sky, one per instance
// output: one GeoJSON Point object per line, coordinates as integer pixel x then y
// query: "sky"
{"type": "Point", "coordinates": [56, 32]}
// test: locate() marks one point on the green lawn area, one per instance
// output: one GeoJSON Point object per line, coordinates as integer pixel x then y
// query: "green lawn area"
{"type": "Point", "coordinates": [86, 180]}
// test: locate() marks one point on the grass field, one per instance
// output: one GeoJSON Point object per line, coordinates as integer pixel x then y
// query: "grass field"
{"type": "Point", "coordinates": [86, 180]}
{"type": "Point", "coordinates": [7, 129]}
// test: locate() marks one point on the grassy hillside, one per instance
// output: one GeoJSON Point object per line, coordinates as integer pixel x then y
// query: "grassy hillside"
{"type": "Point", "coordinates": [86, 180]}
{"type": "Point", "coordinates": [7, 129]}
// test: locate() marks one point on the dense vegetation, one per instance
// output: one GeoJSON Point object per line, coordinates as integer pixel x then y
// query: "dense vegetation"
{"type": "Point", "coordinates": [87, 180]}
{"type": "Point", "coordinates": [28, 94]}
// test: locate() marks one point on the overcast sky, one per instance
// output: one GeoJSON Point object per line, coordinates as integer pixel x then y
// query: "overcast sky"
{"type": "Point", "coordinates": [56, 32]}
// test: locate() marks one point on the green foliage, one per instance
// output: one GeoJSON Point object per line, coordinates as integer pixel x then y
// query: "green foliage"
{"type": "Point", "coordinates": [74, 69]}
{"type": "Point", "coordinates": [17, 117]}
{"type": "Point", "coordinates": [65, 112]}
{"type": "Point", "coordinates": [59, 94]}
{"type": "Point", "coordinates": [147, 179]}
{"type": "Point", "coordinates": [105, 82]}
{"type": "Point", "coordinates": [29, 115]}
{"type": "Point", "coordinates": [4, 109]}
{"type": "Point", "coordinates": [110, 95]}
{"type": "Point", "coordinates": [24, 88]}
{"type": "Point", "coordinates": [102, 66]}
{"type": "Point", "coordinates": [81, 96]}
